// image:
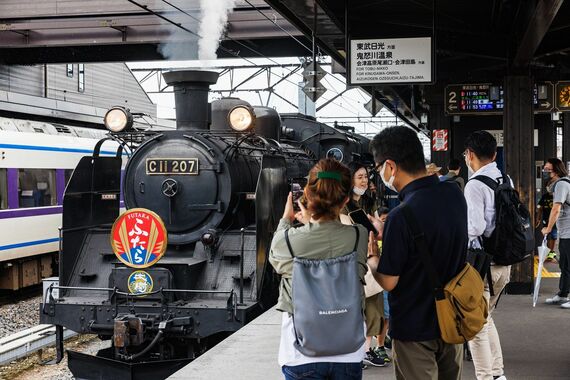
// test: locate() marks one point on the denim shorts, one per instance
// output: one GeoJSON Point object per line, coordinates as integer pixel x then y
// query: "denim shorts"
{"type": "Point", "coordinates": [553, 235]}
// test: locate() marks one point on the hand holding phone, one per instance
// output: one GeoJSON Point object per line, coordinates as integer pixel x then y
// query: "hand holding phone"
{"type": "Point", "coordinates": [360, 217]}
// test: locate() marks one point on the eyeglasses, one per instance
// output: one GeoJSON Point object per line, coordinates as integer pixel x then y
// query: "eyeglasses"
{"type": "Point", "coordinates": [380, 164]}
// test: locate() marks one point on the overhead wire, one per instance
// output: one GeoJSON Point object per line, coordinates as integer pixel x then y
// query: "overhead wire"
{"type": "Point", "coordinates": [246, 46]}
{"type": "Point", "coordinates": [229, 51]}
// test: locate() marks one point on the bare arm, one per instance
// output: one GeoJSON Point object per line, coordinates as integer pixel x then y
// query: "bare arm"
{"type": "Point", "coordinates": [554, 214]}
{"type": "Point", "coordinates": [387, 282]}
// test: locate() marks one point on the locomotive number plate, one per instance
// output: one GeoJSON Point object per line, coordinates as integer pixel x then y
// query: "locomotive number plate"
{"type": "Point", "coordinates": [180, 166]}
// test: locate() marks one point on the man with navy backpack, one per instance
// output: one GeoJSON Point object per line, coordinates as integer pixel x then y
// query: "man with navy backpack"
{"type": "Point", "coordinates": [480, 153]}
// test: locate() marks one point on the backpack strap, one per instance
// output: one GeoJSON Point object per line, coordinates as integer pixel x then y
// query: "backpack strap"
{"type": "Point", "coordinates": [357, 238]}
{"type": "Point", "coordinates": [487, 181]}
{"type": "Point", "coordinates": [288, 243]}
{"type": "Point", "coordinates": [421, 245]}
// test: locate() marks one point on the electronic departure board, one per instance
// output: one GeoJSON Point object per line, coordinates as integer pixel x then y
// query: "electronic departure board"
{"type": "Point", "coordinates": [486, 98]}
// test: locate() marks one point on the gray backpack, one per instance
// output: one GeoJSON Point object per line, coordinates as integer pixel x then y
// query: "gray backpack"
{"type": "Point", "coordinates": [327, 304]}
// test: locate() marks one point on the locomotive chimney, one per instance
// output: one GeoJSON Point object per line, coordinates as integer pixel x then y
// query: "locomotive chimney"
{"type": "Point", "coordinates": [191, 89]}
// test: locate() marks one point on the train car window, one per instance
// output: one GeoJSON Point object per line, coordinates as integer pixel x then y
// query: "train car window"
{"type": "Point", "coordinates": [69, 70]}
{"type": "Point", "coordinates": [3, 190]}
{"type": "Point", "coordinates": [81, 78]}
{"type": "Point", "coordinates": [36, 188]}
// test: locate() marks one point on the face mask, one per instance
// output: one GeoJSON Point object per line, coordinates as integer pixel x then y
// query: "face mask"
{"type": "Point", "coordinates": [358, 190]}
{"type": "Point", "coordinates": [390, 183]}
{"type": "Point", "coordinates": [546, 176]}
{"type": "Point", "coordinates": [470, 171]}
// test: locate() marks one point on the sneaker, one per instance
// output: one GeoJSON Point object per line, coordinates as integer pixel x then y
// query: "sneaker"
{"type": "Point", "coordinates": [382, 354]}
{"type": "Point", "coordinates": [556, 300]}
{"type": "Point", "coordinates": [371, 359]}
{"type": "Point", "coordinates": [565, 305]}
{"type": "Point", "coordinates": [551, 256]}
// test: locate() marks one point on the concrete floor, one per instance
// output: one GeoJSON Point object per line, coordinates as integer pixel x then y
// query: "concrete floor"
{"type": "Point", "coordinates": [535, 341]}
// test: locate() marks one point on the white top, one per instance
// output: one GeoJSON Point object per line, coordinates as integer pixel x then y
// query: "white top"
{"type": "Point", "coordinates": [481, 204]}
{"type": "Point", "coordinates": [289, 356]}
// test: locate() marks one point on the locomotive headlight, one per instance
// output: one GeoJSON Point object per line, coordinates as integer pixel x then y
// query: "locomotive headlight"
{"type": "Point", "coordinates": [241, 118]}
{"type": "Point", "coordinates": [118, 119]}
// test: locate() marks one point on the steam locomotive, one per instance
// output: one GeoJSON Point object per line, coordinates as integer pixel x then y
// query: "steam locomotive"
{"type": "Point", "coordinates": [218, 183]}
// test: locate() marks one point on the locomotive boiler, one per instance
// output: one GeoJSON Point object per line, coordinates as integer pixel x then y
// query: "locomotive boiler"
{"type": "Point", "coordinates": [218, 184]}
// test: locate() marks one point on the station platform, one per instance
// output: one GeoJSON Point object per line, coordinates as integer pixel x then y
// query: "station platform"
{"type": "Point", "coordinates": [535, 341]}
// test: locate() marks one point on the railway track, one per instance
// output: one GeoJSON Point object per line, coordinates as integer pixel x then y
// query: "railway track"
{"type": "Point", "coordinates": [25, 342]}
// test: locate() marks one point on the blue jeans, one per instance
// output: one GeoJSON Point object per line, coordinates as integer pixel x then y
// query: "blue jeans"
{"type": "Point", "coordinates": [323, 371]}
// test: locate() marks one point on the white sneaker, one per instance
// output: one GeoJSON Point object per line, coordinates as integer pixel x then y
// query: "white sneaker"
{"type": "Point", "coordinates": [557, 300]}
{"type": "Point", "coordinates": [565, 305]}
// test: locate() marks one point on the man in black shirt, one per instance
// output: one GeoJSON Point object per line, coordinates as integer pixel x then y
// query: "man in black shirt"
{"type": "Point", "coordinates": [441, 212]}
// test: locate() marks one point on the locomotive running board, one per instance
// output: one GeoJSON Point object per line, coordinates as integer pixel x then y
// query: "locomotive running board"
{"type": "Point", "coordinates": [90, 367]}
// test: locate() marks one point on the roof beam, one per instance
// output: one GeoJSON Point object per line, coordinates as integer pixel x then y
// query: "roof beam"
{"type": "Point", "coordinates": [538, 25]}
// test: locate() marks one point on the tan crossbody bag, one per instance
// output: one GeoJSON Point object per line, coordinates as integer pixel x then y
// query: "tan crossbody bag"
{"type": "Point", "coordinates": [461, 307]}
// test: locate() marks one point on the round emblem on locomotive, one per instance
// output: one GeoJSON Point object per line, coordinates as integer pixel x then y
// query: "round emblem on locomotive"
{"type": "Point", "coordinates": [140, 282]}
{"type": "Point", "coordinates": [139, 238]}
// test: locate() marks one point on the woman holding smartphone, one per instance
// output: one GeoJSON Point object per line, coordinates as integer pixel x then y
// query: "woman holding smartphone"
{"type": "Point", "coordinates": [322, 236]}
{"type": "Point", "coordinates": [374, 305]}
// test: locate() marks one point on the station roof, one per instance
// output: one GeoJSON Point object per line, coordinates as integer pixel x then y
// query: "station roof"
{"type": "Point", "coordinates": [63, 31]}
{"type": "Point", "coordinates": [475, 40]}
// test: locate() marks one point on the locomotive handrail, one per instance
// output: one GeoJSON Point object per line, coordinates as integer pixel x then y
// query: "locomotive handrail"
{"type": "Point", "coordinates": [205, 146]}
{"type": "Point", "coordinates": [97, 148]}
{"type": "Point", "coordinates": [143, 294]}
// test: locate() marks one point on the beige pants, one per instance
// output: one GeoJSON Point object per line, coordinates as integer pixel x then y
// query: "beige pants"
{"type": "Point", "coordinates": [486, 346]}
{"type": "Point", "coordinates": [427, 360]}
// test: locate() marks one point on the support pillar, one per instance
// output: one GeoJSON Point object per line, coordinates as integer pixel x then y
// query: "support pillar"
{"type": "Point", "coordinates": [546, 137]}
{"type": "Point", "coordinates": [518, 132]}
{"type": "Point", "coordinates": [566, 138]}
{"type": "Point", "coordinates": [438, 120]}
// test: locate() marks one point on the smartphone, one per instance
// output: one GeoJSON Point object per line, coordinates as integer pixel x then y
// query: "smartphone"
{"type": "Point", "coordinates": [297, 188]}
{"type": "Point", "coordinates": [360, 217]}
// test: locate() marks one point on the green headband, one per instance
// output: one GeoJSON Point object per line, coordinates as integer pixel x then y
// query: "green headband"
{"type": "Point", "coordinates": [329, 175]}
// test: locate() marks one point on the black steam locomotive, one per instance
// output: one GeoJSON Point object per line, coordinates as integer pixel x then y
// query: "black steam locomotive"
{"type": "Point", "coordinates": [218, 182]}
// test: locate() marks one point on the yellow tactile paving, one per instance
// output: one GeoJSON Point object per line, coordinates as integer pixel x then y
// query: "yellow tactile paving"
{"type": "Point", "coordinates": [545, 272]}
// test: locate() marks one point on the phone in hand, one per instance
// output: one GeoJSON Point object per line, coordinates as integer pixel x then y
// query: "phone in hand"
{"type": "Point", "coordinates": [297, 190]}
{"type": "Point", "coordinates": [360, 217]}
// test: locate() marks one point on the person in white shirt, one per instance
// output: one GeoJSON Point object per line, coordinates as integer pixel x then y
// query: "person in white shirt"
{"type": "Point", "coordinates": [480, 153]}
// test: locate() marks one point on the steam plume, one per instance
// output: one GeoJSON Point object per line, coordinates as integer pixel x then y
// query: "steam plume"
{"type": "Point", "coordinates": [213, 22]}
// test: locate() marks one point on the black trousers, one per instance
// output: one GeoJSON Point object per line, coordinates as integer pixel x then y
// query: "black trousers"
{"type": "Point", "coordinates": [564, 262]}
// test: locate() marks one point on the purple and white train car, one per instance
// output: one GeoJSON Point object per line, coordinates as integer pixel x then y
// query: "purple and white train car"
{"type": "Point", "coordinates": [36, 161]}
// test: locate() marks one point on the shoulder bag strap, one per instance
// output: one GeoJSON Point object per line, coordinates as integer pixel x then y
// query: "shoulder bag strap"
{"type": "Point", "coordinates": [289, 243]}
{"type": "Point", "coordinates": [421, 245]}
{"type": "Point", "coordinates": [357, 238]}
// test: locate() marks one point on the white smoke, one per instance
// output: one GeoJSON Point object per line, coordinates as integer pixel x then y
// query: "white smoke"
{"type": "Point", "coordinates": [213, 22]}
